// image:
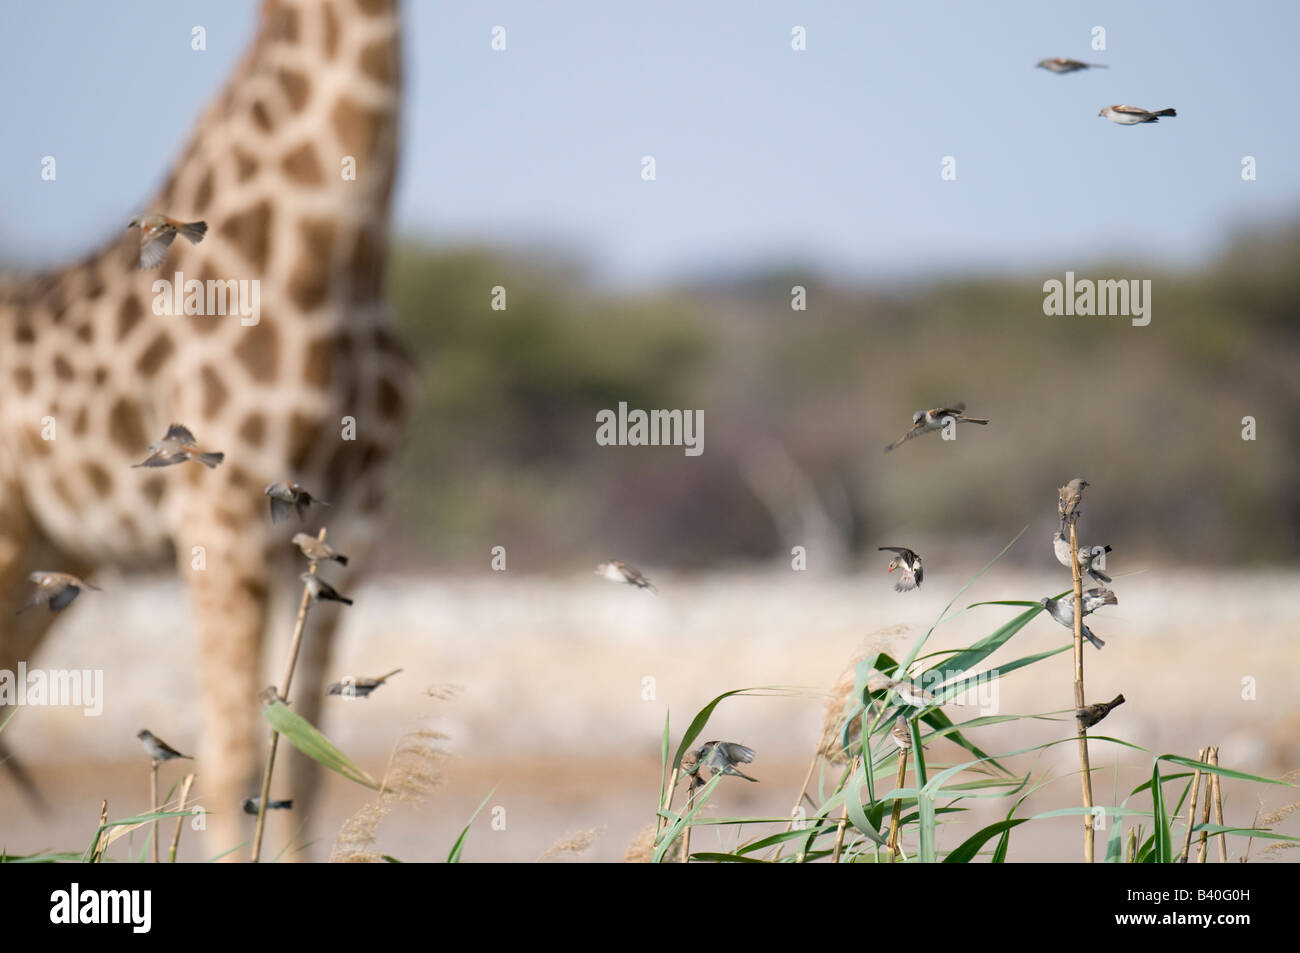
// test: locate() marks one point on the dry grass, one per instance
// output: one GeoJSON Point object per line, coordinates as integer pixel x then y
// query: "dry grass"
{"type": "Point", "coordinates": [841, 700]}
{"type": "Point", "coordinates": [570, 844]}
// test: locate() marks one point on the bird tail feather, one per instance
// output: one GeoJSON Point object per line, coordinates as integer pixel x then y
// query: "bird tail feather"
{"type": "Point", "coordinates": [210, 460]}
{"type": "Point", "coordinates": [194, 231]}
{"type": "Point", "coordinates": [1164, 112]}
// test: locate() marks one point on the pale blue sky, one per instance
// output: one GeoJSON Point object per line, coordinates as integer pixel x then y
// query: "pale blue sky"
{"type": "Point", "coordinates": [829, 157]}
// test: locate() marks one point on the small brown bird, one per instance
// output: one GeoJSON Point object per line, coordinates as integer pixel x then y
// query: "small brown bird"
{"type": "Point", "coordinates": [157, 233]}
{"type": "Point", "coordinates": [322, 591]}
{"type": "Point", "coordinates": [1132, 115]}
{"type": "Point", "coordinates": [925, 421]}
{"type": "Point", "coordinates": [1092, 714]}
{"type": "Point", "coordinates": [616, 571]}
{"type": "Point", "coordinates": [1058, 65]}
{"type": "Point", "coordinates": [317, 549]}
{"type": "Point", "coordinates": [1087, 557]}
{"type": "Point", "coordinates": [359, 687]}
{"type": "Point", "coordinates": [901, 734]}
{"type": "Point", "coordinates": [251, 805]}
{"type": "Point", "coordinates": [1071, 495]}
{"type": "Point", "coordinates": [288, 496]}
{"type": "Point", "coordinates": [158, 749]}
{"type": "Point", "coordinates": [56, 589]}
{"type": "Point", "coordinates": [910, 693]}
{"type": "Point", "coordinates": [177, 446]}
{"type": "Point", "coordinates": [910, 563]}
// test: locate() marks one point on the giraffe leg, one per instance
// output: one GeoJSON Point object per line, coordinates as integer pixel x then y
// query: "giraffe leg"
{"type": "Point", "coordinates": [227, 579]}
{"type": "Point", "coordinates": [22, 549]}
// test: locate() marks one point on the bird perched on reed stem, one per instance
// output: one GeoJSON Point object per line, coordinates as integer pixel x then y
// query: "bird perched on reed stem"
{"type": "Point", "coordinates": [158, 749]}
{"type": "Point", "coordinates": [1091, 714]}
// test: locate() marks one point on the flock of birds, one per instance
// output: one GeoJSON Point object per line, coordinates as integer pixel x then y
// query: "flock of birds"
{"type": "Point", "coordinates": [722, 757]}
{"type": "Point", "coordinates": [58, 590]}
{"type": "Point", "coordinates": [1123, 115]}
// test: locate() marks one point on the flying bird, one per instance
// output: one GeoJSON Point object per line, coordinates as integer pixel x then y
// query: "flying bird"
{"type": "Point", "coordinates": [322, 591]}
{"type": "Point", "coordinates": [55, 589]}
{"type": "Point", "coordinates": [1087, 556]}
{"type": "Point", "coordinates": [616, 571]}
{"type": "Point", "coordinates": [158, 749]}
{"type": "Point", "coordinates": [721, 757]}
{"type": "Point", "coordinates": [1058, 65]}
{"type": "Point", "coordinates": [924, 421]}
{"type": "Point", "coordinates": [1098, 596]}
{"type": "Point", "coordinates": [1132, 115]}
{"type": "Point", "coordinates": [359, 687]}
{"type": "Point", "coordinates": [288, 496]}
{"type": "Point", "coordinates": [909, 563]}
{"type": "Point", "coordinates": [177, 446]}
{"type": "Point", "coordinates": [317, 549]}
{"type": "Point", "coordinates": [157, 233]}
{"type": "Point", "coordinates": [1092, 714]}
{"type": "Point", "coordinates": [251, 804]}
{"type": "Point", "coordinates": [1062, 610]}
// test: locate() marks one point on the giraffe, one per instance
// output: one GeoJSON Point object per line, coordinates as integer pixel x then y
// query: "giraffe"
{"type": "Point", "coordinates": [87, 360]}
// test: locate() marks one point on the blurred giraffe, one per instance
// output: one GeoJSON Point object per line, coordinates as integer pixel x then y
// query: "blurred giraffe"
{"type": "Point", "coordinates": [315, 391]}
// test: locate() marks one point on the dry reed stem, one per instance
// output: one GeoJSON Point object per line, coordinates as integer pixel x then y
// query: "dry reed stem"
{"type": "Point", "coordinates": [1218, 810]}
{"type": "Point", "coordinates": [896, 813]}
{"type": "Point", "coordinates": [1191, 809]}
{"type": "Point", "coordinates": [153, 804]}
{"type": "Point", "coordinates": [102, 842]}
{"type": "Point", "coordinates": [1201, 852]}
{"type": "Point", "coordinates": [844, 815]}
{"type": "Point", "coordinates": [180, 806]}
{"type": "Point", "coordinates": [1084, 767]}
{"type": "Point", "coordinates": [301, 623]}
{"type": "Point", "coordinates": [1130, 853]}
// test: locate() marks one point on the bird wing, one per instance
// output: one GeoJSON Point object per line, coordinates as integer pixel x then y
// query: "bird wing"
{"type": "Point", "coordinates": [179, 432]}
{"type": "Point", "coordinates": [902, 551]}
{"type": "Point", "coordinates": [162, 459]}
{"type": "Point", "coordinates": [63, 598]}
{"type": "Point", "coordinates": [153, 248]}
{"type": "Point", "coordinates": [737, 754]}
{"type": "Point", "coordinates": [280, 510]}
{"type": "Point", "coordinates": [916, 428]}
{"type": "Point", "coordinates": [1131, 110]}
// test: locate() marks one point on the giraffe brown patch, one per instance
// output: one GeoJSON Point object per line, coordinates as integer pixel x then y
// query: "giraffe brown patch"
{"type": "Point", "coordinates": [206, 323]}
{"type": "Point", "coordinates": [214, 392]}
{"type": "Point", "coordinates": [245, 165]}
{"type": "Point", "coordinates": [129, 314]}
{"type": "Point", "coordinates": [304, 435]}
{"type": "Point", "coordinates": [85, 332]}
{"type": "Point", "coordinates": [23, 333]}
{"type": "Point", "coordinates": [99, 479]}
{"type": "Point", "coordinates": [261, 116]}
{"type": "Point", "coordinates": [63, 368]}
{"type": "Point", "coordinates": [228, 518]}
{"type": "Point", "coordinates": [152, 489]}
{"type": "Point", "coordinates": [259, 351]}
{"type": "Point", "coordinates": [330, 35]}
{"type": "Point", "coordinates": [358, 128]}
{"type": "Point", "coordinates": [366, 266]}
{"type": "Point", "coordinates": [94, 284]}
{"type": "Point", "coordinates": [253, 429]}
{"type": "Point", "coordinates": [127, 527]}
{"type": "Point", "coordinates": [65, 495]}
{"type": "Point", "coordinates": [38, 444]}
{"type": "Point", "coordinates": [372, 8]}
{"type": "Point", "coordinates": [302, 167]}
{"type": "Point", "coordinates": [379, 62]}
{"type": "Point", "coordinates": [250, 233]}
{"type": "Point", "coordinates": [126, 426]}
{"type": "Point", "coordinates": [204, 195]}
{"type": "Point", "coordinates": [295, 87]}
{"type": "Point", "coordinates": [101, 375]}
{"type": "Point", "coordinates": [80, 421]}
{"type": "Point", "coordinates": [23, 379]}
{"type": "Point", "coordinates": [309, 282]}
{"type": "Point", "coordinates": [283, 22]}
{"type": "Point", "coordinates": [239, 479]}
{"type": "Point", "coordinates": [154, 355]}
{"type": "Point", "coordinates": [321, 353]}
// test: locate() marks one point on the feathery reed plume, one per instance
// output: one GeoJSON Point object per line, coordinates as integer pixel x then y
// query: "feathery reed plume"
{"type": "Point", "coordinates": [415, 770]}
{"type": "Point", "coordinates": [180, 821]}
{"type": "Point", "coordinates": [841, 699]}
{"type": "Point", "coordinates": [570, 844]}
{"type": "Point", "coordinates": [642, 848]}
{"type": "Point", "coordinates": [303, 605]}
